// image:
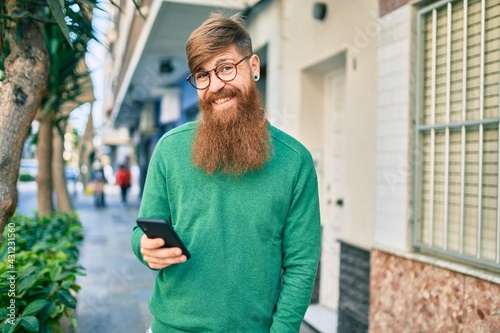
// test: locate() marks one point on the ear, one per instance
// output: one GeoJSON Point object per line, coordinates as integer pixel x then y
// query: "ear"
{"type": "Point", "coordinates": [255, 64]}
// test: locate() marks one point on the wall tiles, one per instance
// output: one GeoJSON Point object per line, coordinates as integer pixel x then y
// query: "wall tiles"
{"type": "Point", "coordinates": [410, 296]}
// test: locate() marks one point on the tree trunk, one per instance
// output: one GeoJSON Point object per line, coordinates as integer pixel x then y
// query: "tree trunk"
{"type": "Point", "coordinates": [44, 154]}
{"type": "Point", "coordinates": [26, 70]}
{"type": "Point", "coordinates": [58, 175]}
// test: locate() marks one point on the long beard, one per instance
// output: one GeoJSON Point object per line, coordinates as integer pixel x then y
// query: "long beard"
{"type": "Point", "coordinates": [235, 140]}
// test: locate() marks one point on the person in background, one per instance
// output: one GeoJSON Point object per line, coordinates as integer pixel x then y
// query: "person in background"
{"type": "Point", "coordinates": [241, 194]}
{"type": "Point", "coordinates": [123, 180]}
{"type": "Point", "coordinates": [99, 180]}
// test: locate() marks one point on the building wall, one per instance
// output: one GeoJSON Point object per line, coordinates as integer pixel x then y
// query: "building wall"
{"type": "Point", "coordinates": [265, 28]}
{"type": "Point", "coordinates": [411, 296]}
{"type": "Point", "coordinates": [321, 58]}
{"type": "Point", "coordinates": [393, 130]}
{"type": "Point", "coordinates": [308, 45]}
{"type": "Point", "coordinates": [413, 292]}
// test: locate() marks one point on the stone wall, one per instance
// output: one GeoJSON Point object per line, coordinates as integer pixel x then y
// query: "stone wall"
{"type": "Point", "coordinates": [410, 296]}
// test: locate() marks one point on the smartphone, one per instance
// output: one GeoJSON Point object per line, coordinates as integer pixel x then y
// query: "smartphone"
{"type": "Point", "coordinates": [158, 228]}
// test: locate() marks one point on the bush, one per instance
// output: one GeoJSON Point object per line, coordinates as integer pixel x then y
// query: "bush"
{"type": "Point", "coordinates": [24, 177]}
{"type": "Point", "coordinates": [40, 256]}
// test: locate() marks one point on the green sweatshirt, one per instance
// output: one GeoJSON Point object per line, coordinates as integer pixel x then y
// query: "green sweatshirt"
{"type": "Point", "coordinates": [254, 239]}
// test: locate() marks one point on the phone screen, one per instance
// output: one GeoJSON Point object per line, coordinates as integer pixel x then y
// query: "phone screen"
{"type": "Point", "coordinates": [158, 228]}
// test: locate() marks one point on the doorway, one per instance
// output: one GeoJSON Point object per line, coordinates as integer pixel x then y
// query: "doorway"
{"type": "Point", "coordinates": [324, 98]}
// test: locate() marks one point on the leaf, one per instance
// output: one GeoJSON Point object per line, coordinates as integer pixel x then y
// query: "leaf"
{"type": "Point", "coordinates": [57, 310]}
{"type": "Point", "coordinates": [138, 8]}
{"type": "Point", "coordinates": [65, 297]}
{"type": "Point", "coordinates": [34, 307]}
{"type": "Point", "coordinates": [57, 12]}
{"type": "Point", "coordinates": [47, 106]}
{"type": "Point", "coordinates": [4, 311]}
{"type": "Point", "coordinates": [55, 271]}
{"type": "Point", "coordinates": [9, 328]}
{"type": "Point", "coordinates": [74, 322]}
{"type": "Point", "coordinates": [51, 288]}
{"type": "Point", "coordinates": [30, 323]}
{"type": "Point", "coordinates": [60, 255]}
{"type": "Point", "coordinates": [27, 269]}
{"type": "Point", "coordinates": [26, 283]}
{"type": "Point", "coordinates": [47, 311]}
{"type": "Point", "coordinates": [76, 287]}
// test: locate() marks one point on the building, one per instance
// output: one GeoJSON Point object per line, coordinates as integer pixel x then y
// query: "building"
{"type": "Point", "coordinates": [399, 103]}
{"type": "Point", "coordinates": [436, 240]}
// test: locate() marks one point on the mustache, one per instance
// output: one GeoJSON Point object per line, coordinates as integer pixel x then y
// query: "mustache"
{"type": "Point", "coordinates": [223, 93]}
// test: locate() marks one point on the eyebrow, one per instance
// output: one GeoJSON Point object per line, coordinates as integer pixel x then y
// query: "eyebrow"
{"type": "Point", "coordinates": [221, 61]}
{"type": "Point", "coordinates": [218, 62]}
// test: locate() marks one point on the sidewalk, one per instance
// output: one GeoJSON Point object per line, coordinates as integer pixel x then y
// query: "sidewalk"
{"type": "Point", "coordinates": [115, 291]}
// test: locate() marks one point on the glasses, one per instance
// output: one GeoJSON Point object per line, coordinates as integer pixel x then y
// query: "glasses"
{"type": "Point", "coordinates": [225, 72]}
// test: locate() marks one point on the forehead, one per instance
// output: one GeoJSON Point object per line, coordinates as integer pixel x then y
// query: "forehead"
{"type": "Point", "coordinates": [227, 55]}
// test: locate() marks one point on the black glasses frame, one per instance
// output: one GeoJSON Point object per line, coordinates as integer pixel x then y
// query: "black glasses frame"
{"type": "Point", "coordinates": [192, 81]}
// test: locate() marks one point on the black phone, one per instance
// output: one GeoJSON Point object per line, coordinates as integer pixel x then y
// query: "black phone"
{"type": "Point", "coordinates": [158, 228]}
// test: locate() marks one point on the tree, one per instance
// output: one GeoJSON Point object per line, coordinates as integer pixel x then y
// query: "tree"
{"type": "Point", "coordinates": [68, 86]}
{"type": "Point", "coordinates": [25, 66]}
{"type": "Point", "coordinates": [24, 69]}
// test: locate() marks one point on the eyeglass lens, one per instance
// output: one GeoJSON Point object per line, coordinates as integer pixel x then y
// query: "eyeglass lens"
{"type": "Point", "coordinates": [225, 72]}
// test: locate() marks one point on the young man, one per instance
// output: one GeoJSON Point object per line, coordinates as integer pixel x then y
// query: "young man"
{"type": "Point", "coordinates": [241, 194]}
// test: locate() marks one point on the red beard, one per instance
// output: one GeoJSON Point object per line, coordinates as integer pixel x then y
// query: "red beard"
{"type": "Point", "coordinates": [234, 140]}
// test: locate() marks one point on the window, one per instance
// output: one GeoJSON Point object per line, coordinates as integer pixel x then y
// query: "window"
{"type": "Point", "coordinates": [457, 134]}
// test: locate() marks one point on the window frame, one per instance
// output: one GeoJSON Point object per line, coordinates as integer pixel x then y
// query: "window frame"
{"type": "Point", "coordinates": [420, 129]}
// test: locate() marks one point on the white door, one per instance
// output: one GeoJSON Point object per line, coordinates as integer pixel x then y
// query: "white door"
{"type": "Point", "coordinates": [333, 186]}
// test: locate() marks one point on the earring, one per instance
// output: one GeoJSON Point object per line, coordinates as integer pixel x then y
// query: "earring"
{"type": "Point", "coordinates": [256, 77]}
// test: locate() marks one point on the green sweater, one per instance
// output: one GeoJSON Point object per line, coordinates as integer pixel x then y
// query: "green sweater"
{"type": "Point", "coordinates": [254, 240]}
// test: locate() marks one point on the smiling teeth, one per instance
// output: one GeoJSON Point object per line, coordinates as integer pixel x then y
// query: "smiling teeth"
{"type": "Point", "coordinates": [222, 100]}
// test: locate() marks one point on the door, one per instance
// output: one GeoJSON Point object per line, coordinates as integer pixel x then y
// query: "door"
{"type": "Point", "coordinates": [333, 185]}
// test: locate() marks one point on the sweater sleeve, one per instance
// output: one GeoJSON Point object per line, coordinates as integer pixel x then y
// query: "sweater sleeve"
{"type": "Point", "coordinates": [154, 201]}
{"type": "Point", "coordinates": [301, 247]}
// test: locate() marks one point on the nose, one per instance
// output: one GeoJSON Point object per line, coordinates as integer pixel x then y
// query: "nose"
{"type": "Point", "coordinates": [216, 84]}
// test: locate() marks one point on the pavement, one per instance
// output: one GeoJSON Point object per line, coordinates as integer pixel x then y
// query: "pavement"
{"type": "Point", "coordinates": [116, 289]}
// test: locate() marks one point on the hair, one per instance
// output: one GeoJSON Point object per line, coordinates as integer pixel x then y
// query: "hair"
{"type": "Point", "coordinates": [216, 34]}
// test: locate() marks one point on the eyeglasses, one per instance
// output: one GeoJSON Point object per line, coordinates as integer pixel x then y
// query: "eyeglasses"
{"type": "Point", "coordinates": [225, 72]}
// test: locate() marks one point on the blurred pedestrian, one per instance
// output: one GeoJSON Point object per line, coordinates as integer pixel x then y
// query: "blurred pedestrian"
{"type": "Point", "coordinates": [241, 194]}
{"type": "Point", "coordinates": [123, 180]}
{"type": "Point", "coordinates": [99, 180]}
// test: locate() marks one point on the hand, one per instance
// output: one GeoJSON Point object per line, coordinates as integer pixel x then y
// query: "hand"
{"type": "Point", "coordinates": [158, 257]}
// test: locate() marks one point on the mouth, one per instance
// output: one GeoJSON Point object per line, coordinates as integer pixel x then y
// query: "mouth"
{"type": "Point", "coordinates": [221, 101]}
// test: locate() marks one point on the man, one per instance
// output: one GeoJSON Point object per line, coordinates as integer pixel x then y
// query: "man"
{"type": "Point", "coordinates": [241, 194]}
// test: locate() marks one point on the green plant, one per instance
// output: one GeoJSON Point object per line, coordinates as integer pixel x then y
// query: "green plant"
{"type": "Point", "coordinates": [40, 256]}
{"type": "Point", "coordinates": [24, 177]}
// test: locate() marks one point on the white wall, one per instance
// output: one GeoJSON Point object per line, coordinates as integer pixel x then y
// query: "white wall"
{"type": "Point", "coordinates": [265, 28]}
{"type": "Point", "coordinates": [350, 27]}
{"type": "Point", "coordinates": [393, 131]}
